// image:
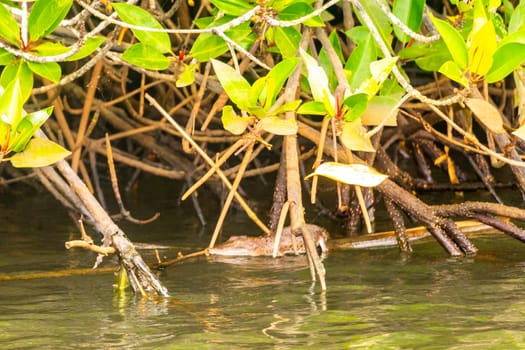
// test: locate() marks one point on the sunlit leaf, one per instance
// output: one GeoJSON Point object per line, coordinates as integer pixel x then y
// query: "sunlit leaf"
{"type": "Point", "coordinates": [318, 81]}
{"type": "Point", "coordinates": [21, 70]}
{"type": "Point", "coordinates": [520, 132]}
{"type": "Point", "coordinates": [287, 40]}
{"type": "Point", "coordinates": [11, 104]}
{"type": "Point", "coordinates": [90, 45]}
{"type": "Point", "coordinates": [300, 9]}
{"type": "Point", "coordinates": [517, 20]}
{"type": "Point", "coordinates": [9, 30]}
{"type": "Point", "coordinates": [237, 88]}
{"type": "Point", "coordinates": [145, 56]}
{"type": "Point", "coordinates": [353, 137]}
{"type": "Point", "coordinates": [452, 71]}
{"type": "Point", "coordinates": [429, 57]}
{"type": "Point", "coordinates": [355, 106]}
{"type": "Point", "coordinates": [277, 76]}
{"type": "Point", "coordinates": [137, 16]}
{"type": "Point", "coordinates": [482, 45]}
{"type": "Point", "coordinates": [359, 61]}
{"type": "Point", "coordinates": [326, 62]}
{"type": "Point", "coordinates": [453, 40]}
{"type": "Point", "coordinates": [48, 70]}
{"type": "Point", "coordinates": [380, 70]}
{"type": "Point", "coordinates": [232, 7]}
{"type": "Point", "coordinates": [27, 128]}
{"type": "Point", "coordinates": [208, 46]}
{"type": "Point", "coordinates": [380, 107]}
{"type": "Point", "coordinates": [234, 123]}
{"type": "Point", "coordinates": [48, 48]}
{"type": "Point", "coordinates": [6, 57]}
{"type": "Point", "coordinates": [313, 108]}
{"type": "Point", "coordinates": [352, 174]}
{"type": "Point", "coordinates": [486, 113]}
{"type": "Point", "coordinates": [45, 16]}
{"type": "Point", "coordinates": [187, 77]}
{"type": "Point", "coordinates": [506, 59]}
{"type": "Point", "coordinates": [378, 17]}
{"type": "Point", "coordinates": [39, 152]}
{"type": "Point", "coordinates": [287, 107]}
{"type": "Point", "coordinates": [410, 12]}
{"type": "Point", "coordinates": [279, 126]}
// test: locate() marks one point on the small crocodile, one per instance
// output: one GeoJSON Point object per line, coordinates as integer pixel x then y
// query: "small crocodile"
{"type": "Point", "coordinates": [264, 245]}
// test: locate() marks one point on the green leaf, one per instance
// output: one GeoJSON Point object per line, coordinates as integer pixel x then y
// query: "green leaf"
{"type": "Point", "coordinates": [287, 40]}
{"type": "Point", "coordinates": [237, 88]}
{"type": "Point", "coordinates": [88, 48]}
{"type": "Point", "coordinates": [452, 71]}
{"type": "Point", "coordinates": [208, 46]}
{"type": "Point", "coordinates": [378, 17]}
{"type": "Point", "coordinates": [255, 97]}
{"type": "Point", "coordinates": [313, 108]}
{"type": "Point", "coordinates": [6, 57]}
{"type": "Point", "coordinates": [27, 128]}
{"type": "Point", "coordinates": [48, 70]}
{"type": "Point", "coordinates": [300, 9]}
{"type": "Point", "coordinates": [277, 76]}
{"type": "Point", "coordinates": [234, 123]}
{"type": "Point", "coordinates": [380, 107]}
{"type": "Point", "coordinates": [352, 174]}
{"type": "Point", "coordinates": [287, 107]}
{"type": "Point", "coordinates": [486, 113]}
{"type": "Point", "coordinates": [145, 56]}
{"type": "Point", "coordinates": [429, 57]}
{"type": "Point", "coordinates": [380, 70]}
{"type": "Point", "coordinates": [318, 81]}
{"type": "Point", "coordinates": [9, 30]}
{"type": "Point", "coordinates": [453, 40]}
{"type": "Point", "coordinates": [506, 59]}
{"type": "Point", "coordinates": [326, 63]}
{"type": "Point", "coordinates": [45, 17]}
{"type": "Point", "coordinates": [11, 104]}
{"type": "Point", "coordinates": [279, 126]}
{"type": "Point", "coordinates": [516, 37]}
{"type": "Point", "coordinates": [39, 152]}
{"type": "Point", "coordinates": [137, 16]}
{"type": "Point", "coordinates": [358, 34]}
{"type": "Point", "coordinates": [48, 48]}
{"type": "Point", "coordinates": [188, 75]}
{"type": "Point", "coordinates": [410, 12]}
{"type": "Point", "coordinates": [353, 137]}
{"type": "Point", "coordinates": [517, 21]}
{"type": "Point", "coordinates": [359, 61]}
{"type": "Point", "coordinates": [232, 7]}
{"type": "Point", "coordinates": [25, 76]}
{"type": "Point", "coordinates": [355, 106]}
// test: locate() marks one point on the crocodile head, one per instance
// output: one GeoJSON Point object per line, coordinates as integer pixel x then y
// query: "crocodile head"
{"type": "Point", "coordinates": [263, 246]}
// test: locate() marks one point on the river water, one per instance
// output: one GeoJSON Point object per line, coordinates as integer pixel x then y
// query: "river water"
{"type": "Point", "coordinates": [376, 299]}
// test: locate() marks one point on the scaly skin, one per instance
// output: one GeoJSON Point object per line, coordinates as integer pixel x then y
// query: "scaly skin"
{"type": "Point", "coordinates": [263, 245]}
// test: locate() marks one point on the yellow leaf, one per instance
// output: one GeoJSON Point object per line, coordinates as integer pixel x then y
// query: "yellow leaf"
{"type": "Point", "coordinates": [481, 49]}
{"type": "Point", "coordinates": [352, 174]}
{"type": "Point", "coordinates": [354, 137]}
{"type": "Point", "coordinates": [380, 107]}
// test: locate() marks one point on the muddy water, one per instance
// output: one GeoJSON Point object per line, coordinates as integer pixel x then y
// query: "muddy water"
{"type": "Point", "coordinates": [376, 299]}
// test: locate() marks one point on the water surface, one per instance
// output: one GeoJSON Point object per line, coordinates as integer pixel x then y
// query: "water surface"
{"type": "Point", "coordinates": [376, 299]}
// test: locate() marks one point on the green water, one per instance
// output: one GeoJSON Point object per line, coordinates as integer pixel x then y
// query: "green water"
{"type": "Point", "coordinates": [376, 299]}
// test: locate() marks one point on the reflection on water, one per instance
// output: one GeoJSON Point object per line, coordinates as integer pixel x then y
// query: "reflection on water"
{"type": "Point", "coordinates": [376, 298]}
